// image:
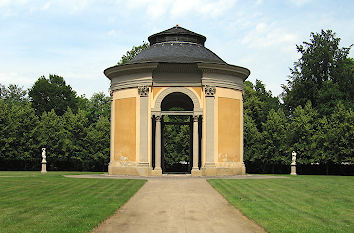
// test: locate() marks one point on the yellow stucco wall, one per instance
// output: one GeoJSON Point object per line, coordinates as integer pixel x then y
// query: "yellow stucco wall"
{"type": "Point", "coordinates": [125, 129]}
{"type": "Point", "coordinates": [229, 130]}
{"type": "Point", "coordinates": [198, 90]}
{"type": "Point", "coordinates": [156, 90]}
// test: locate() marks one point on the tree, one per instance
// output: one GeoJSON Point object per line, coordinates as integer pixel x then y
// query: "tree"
{"type": "Point", "coordinates": [98, 141]}
{"type": "Point", "coordinates": [133, 52]}
{"type": "Point", "coordinates": [177, 141]}
{"type": "Point", "coordinates": [13, 94]}
{"type": "Point", "coordinates": [301, 132]}
{"type": "Point", "coordinates": [258, 102]}
{"type": "Point", "coordinates": [52, 93]}
{"type": "Point", "coordinates": [76, 127]}
{"type": "Point", "coordinates": [53, 136]}
{"type": "Point", "coordinates": [98, 106]}
{"type": "Point", "coordinates": [253, 147]}
{"type": "Point", "coordinates": [346, 82]}
{"type": "Point", "coordinates": [18, 125]}
{"type": "Point", "coordinates": [322, 60]}
{"type": "Point", "coordinates": [274, 136]}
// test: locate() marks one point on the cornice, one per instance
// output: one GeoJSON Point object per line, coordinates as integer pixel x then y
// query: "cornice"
{"type": "Point", "coordinates": [225, 69]}
{"type": "Point", "coordinates": [127, 76]}
{"type": "Point", "coordinates": [118, 70]}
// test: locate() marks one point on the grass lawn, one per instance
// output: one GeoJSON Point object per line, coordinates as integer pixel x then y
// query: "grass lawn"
{"type": "Point", "coordinates": [296, 204]}
{"type": "Point", "coordinates": [31, 202]}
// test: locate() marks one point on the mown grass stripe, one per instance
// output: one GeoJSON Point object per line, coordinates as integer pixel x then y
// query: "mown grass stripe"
{"type": "Point", "coordinates": [296, 204]}
{"type": "Point", "coordinates": [52, 203]}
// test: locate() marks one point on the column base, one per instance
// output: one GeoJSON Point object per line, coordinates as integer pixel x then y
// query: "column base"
{"type": "Point", "coordinates": [196, 172]}
{"type": "Point", "coordinates": [156, 172]}
{"type": "Point", "coordinates": [210, 165]}
{"type": "Point", "coordinates": [143, 169]}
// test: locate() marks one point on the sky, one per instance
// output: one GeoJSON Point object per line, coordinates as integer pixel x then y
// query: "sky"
{"type": "Point", "coordinates": [78, 39]}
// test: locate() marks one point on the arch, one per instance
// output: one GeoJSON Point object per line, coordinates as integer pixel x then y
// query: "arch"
{"type": "Point", "coordinates": [197, 109]}
{"type": "Point", "coordinates": [177, 99]}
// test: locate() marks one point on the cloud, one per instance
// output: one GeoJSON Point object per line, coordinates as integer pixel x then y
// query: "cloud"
{"type": "Point", "coordinates": [154, 9]}
{"type": "Point", "coordinates": [6, 3]}
{"type": "Point", "coordinates": [259, 2]}
{"type": "Point", "coordinates": [46, 5]}
{"type": "Point", "coordinates": [15, 78]}
{"type": "Point", "coordinates": [72, 6]}
{"type": "Point", "coordinates": [268, 35]}
{"type": "Point", "coordinates": [206, 8]}
{"type": "Point", "coordinates": [178, 8]}
{"type": "Point", "coordinates": [299, 2]}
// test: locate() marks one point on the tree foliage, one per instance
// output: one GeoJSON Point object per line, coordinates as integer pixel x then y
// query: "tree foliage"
{"type": "Point", "coordinates": [258, 102]}
{"type": "Point", "coordinates": [74, 140]}
{"type": "Point", "coordinates": [318, 102]}
{"type": "Point", "coordinates": [13, 94]}
{"type": "Point", "coordinates": [98, 106]}
{"type": "Point", "coordinates": [323, 65]}
{"type": "Point", "coordinates": [302, 130]}
{"type": "Point", "coordinates": [133, 52]}
{"type": "Point", "coordinates": [52, 93]}
{"type": "Point", "coordinates": [274, 137]}
{"type": "Point", "coordinates": [18, 125]}
{"type": "Point", "coordinates": [177, 141]}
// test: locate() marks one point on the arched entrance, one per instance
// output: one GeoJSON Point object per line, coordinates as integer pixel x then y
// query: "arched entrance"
{"type": "Point", "coordinates": [177, 131]}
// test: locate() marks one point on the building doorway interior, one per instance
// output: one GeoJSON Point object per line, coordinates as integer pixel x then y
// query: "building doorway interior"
{"type": "Point", "coordinates": [177, 133]}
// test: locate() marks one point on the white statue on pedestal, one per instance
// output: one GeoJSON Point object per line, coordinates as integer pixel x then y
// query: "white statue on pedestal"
{"type": "Point", "coordinates": [43, 156]}
{"type": "Point", "coordinates": [293, 162]}
{"type": "Point", "coordinates": [44, 162]}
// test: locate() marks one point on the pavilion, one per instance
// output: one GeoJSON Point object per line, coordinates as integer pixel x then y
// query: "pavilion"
{"type": "Point", "coordinates": [177, 81]}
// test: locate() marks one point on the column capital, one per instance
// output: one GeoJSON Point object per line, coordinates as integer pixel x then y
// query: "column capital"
{"type": "Point", "coordinates": [143, 91]}
{"type": "Point", "coordinates": [209, 91]}
{"type": "Point", "coordinates": [111, 94]}
{"type": "Point", "coordinates": [196, 118]}
{"type": "Point", "coordinates": [158, 117]}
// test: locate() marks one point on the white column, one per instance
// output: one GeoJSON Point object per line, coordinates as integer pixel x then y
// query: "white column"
{"type": "Point", "coordinates": [209, 102]}
{"type": "Point", "coordinates": [143, 157]}
{"type": "Point", "coordinates": [158, 143]}
{"type": "Point", "coordinates": [195, 142]}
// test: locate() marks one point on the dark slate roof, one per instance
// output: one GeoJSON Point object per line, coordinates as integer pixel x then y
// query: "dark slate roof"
{"type": "Point", "coordinates": [177, 33]}
{"type": "Point", "coordinates": [177, 45]}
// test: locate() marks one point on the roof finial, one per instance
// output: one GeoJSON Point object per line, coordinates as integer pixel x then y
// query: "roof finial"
{"type": "Point", "coordinates": [177, 25]}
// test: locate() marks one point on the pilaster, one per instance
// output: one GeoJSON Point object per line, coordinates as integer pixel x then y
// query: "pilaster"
{"type": "Point", "coordinates": [209, 104]}
{"type": "Point", "coordinates": [111, 161]}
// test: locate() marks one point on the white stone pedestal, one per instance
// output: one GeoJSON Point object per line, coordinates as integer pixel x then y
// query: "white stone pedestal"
{"type": "Point", "coordinates": [293, 170]}
{"type": "Point", "coordinates": [44, 168]}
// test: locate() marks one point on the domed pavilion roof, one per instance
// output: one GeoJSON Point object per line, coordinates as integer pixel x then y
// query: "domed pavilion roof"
{"type": "Point", "coordinates": [177, 45]}
{"type": "Point", "coordinates": [176, 55]}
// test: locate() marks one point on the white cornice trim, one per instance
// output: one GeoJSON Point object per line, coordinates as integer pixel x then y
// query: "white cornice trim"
{"type": "Point", "coordinates": [134, 75]}
{"type": "Point", "coordinates": [225, 68]}
{"type": "Point", "coordinates": [114, 71]}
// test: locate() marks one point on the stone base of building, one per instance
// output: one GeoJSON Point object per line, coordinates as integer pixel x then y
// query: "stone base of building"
{"type": "Point", "coordinates": [156, 172]}
{"type": "Point", "coordinates": [196, 172]}
{"type": "Point", "coordinates": [221, 171]}
{"type": "Point", "coordinates": [204, 171]}
{"type": "Point", "coordinates": [130, 171]}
